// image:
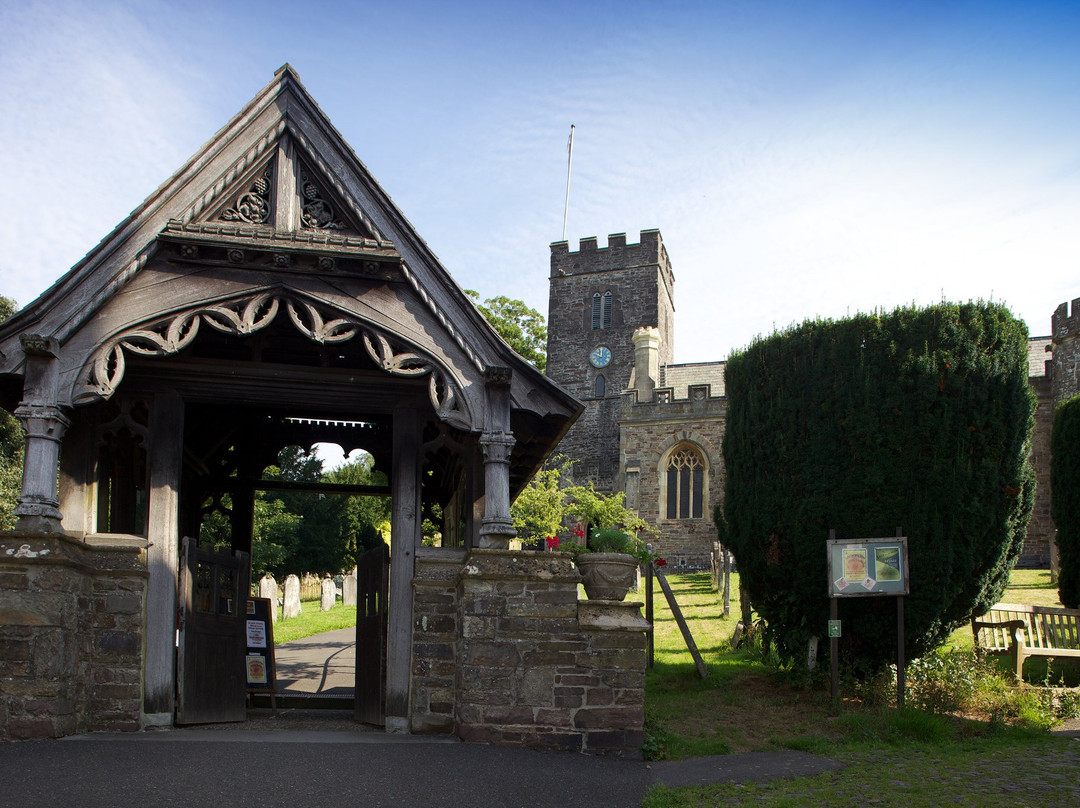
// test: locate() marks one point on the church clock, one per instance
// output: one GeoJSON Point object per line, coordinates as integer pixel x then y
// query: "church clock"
{"type": "Point", "coordinates": [600, 356]}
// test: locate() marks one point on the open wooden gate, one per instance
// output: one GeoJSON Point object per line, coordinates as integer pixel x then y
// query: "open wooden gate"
{"type": "Point", "coordinates": [372, 576]}
{"type": "Point", "coordinates": [210, 652]}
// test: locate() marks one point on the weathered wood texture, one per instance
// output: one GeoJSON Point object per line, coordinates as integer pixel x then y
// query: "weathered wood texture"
{"type": "Point", "coordinates": [1023, 631]}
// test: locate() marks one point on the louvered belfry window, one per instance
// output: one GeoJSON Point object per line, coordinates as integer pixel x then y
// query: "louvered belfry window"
{"type": "Point", "coordinates": [601, 310]}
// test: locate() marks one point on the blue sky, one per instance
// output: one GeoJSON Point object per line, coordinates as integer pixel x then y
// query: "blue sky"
{"type": "Point", "coordinates": [800, 158]}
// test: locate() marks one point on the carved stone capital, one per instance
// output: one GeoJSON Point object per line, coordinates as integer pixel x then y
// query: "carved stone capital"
{"type": "Point", "coordinates": [497, 446]}
{"type": "Point", "coordinates": [498, 376]}
{"type": "Point", "coordinates": [37, 345]}
{"type": "Point", "coordinates": [43, 421]}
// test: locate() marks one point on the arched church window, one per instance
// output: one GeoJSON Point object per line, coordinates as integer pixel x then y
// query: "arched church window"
{"type": "Point", "coordinates": [601, 387]}
{"type": "Point", "coordinates": [601, 310]}
{"type": "Point", "coordinates": [685, 484]}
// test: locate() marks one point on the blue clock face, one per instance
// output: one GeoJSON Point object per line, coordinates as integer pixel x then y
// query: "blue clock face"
{"type": "Point", "coordinates": [600, 357]}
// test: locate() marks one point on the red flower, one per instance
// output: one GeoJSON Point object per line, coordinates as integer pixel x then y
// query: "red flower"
{"type": "Point", "coordinates": [553, 542]}
{"type": "Point", "coordinates": [660, 562]}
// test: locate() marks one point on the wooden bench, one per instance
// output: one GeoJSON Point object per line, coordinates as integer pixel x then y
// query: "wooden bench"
{"type": "Point", "coordinates": [1026, 631]}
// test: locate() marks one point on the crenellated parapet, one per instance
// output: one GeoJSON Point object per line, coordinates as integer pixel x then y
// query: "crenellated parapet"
{"type": "Point", "coordinates": [616, 256]}
{"type": "Point", "coordinates": [1065, 378]}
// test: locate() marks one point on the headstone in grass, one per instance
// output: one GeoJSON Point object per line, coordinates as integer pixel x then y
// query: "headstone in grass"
{"type": "Point", "coordinates": [329, 594]}
{"type": "Point", "coordinates": [268, 589]}
{"type": "Point", "coordinates": [348, 589]}
{"type": "Point", "coordinates": [291, 606]}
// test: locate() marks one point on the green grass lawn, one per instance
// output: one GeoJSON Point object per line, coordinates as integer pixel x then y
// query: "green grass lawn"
{"type": "Point", "coordinates": [894, 758]}
{"type": "Point", "coordinates": [313, 621]}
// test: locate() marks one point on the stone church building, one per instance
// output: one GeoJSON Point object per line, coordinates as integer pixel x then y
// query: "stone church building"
{"type": "Point", "coordinates": [654, 428]}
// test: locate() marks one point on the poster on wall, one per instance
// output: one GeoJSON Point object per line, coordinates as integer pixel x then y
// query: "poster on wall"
{"type": "Point", "coordinates": [868, 567]}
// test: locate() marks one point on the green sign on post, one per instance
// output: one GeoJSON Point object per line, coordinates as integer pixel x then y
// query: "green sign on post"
{"type": "Point", "coordinates": [834, 628]}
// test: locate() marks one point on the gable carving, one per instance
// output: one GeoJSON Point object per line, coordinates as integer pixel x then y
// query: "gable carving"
{"type": "Point", "coordinates": [104, 371]}
{"type": "Point", "coordinates": [316, 213]}
{"type": "Point", "coordinates": [253, 205]}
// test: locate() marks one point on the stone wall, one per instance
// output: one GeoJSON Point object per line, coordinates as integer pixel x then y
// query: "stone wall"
{"type": "Point", "coordinates": [534, 667]}
{"type": "Point", "coordinates": [648, 432]}
{"type": "Point", "coordinates": [71, 636]}
{"type": "Point", "coordinates": [1040, 532]}
{"type": "Point", "coordinates": [436, 632]}
{"type": "Point", "coordinates": [1066, 357]}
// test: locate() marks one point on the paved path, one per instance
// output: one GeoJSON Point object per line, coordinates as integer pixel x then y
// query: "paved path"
{"type": "Point", "coordinates": [323, 664]}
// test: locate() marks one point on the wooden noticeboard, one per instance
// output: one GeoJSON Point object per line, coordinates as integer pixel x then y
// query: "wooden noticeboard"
{"type": "Point", "coordinates": [259, 657]}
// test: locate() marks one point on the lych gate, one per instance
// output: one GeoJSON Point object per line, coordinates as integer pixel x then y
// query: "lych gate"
{"type": "Point", "coordinates": [268, 294]}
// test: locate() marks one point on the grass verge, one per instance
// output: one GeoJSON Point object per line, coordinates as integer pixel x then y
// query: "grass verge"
{"type": "Point", "coordinates": [313, 621]}
{"type": "Point", "coordinates": [909, 758]}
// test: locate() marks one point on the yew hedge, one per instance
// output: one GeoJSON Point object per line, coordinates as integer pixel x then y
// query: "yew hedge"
{"type": "Point", "coordinates": [918, 418]}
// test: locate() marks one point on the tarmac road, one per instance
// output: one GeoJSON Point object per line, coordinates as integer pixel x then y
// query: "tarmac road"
{"type": "Point", "coordinates": [300, 769]}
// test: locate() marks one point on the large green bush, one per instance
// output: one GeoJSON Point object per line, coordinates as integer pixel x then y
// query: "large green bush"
{"type": "Point", "coordinates": [919, 418]}
{"type": "Point", "coordinates": [1065, 499]}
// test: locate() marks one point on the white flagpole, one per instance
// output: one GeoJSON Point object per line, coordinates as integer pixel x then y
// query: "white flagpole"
{"type": "Point", "coordinates": [569, 166]}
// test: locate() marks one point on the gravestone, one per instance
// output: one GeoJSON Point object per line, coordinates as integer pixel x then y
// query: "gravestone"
{"type": "Point", "coordinates": [268, 589]}
{"type": "Point", "coordinates": [291, 607]}
{"type": "Point", "coordinates": [348, 589]}
{"type": "Point", "coordinates": [329, 594]}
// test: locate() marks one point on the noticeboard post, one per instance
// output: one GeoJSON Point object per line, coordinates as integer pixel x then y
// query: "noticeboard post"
{"type": "Point", "coordinates": [868, 568]}
{"type": "Point", "coordinates": [259, 658]}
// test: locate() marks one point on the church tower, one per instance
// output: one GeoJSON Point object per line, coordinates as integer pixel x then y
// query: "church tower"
{"type": "Point", "coordinates": [598, 298]}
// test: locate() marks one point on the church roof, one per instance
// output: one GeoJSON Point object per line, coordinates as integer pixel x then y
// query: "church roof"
{"type": "Point", "coordinates": [275, 213]}
{"type": "Point", "coordinates": [680, 377]}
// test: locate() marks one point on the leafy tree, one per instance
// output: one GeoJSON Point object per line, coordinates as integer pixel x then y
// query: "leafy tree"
{"type": "Point", "coordinates": [523, 328]}
{"type": "Point", "coordinates": [546, 505]}
{"type": "Point", "coordinates": [919, 418]}
{"type": "Point", "coordinates": [1065, 501]}
{"type": "Point", "coordinates": [11, 448]}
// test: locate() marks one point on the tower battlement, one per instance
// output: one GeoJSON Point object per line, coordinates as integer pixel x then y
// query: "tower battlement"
{"type": "Point", "coordinates": [617, 255]}
{"type": "Point", "coordinates": [1064, 323]}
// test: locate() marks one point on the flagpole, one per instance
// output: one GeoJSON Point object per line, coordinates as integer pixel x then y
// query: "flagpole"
{"type": "Point", "coordinates": [569, 166]}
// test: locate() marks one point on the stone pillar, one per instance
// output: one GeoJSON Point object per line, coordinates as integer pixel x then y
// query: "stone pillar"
{"type": "Point", "coordinates": [39, 508]}
{"type": "Point", "coordinates": [291, 606]}
{"type": "Point", "coordinates": [497, 442]}
{"type": "Point", "coordinates": [329, 595]}
{"type": "Point", "coordinates": [646, 363]}
{"type": "Point", "coordinates": [538, 668]}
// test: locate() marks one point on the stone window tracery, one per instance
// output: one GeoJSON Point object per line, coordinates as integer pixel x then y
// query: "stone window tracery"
{"type": "Point", "coordinates": [685, 484]}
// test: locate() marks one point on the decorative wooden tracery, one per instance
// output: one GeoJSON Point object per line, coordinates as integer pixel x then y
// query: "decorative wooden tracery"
{"type": "Point", "coordinates": [244, 316]}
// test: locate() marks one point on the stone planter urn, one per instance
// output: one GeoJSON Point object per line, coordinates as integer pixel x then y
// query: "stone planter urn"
{"type": "Point", "coordinates": [607, 576]}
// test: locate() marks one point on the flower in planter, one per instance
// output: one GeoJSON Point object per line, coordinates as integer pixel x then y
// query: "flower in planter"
{"type": "Point", "coordinates": [552, 542]}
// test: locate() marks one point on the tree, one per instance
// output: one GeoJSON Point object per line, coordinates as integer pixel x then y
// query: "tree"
{"type": "Point", "coordinates": [546, 505]}
{"type": "Point", "coordinates": [11, 448]}
{"type": "Point", "coordinates": [1065, 502]}
{"type": "Point", "coordinates": [919, 418]}
{"type": "Point", "coordinates": [523, 328]}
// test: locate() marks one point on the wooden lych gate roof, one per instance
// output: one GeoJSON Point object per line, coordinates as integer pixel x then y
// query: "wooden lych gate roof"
{"type": "Point", "coordinates": [276, 222]}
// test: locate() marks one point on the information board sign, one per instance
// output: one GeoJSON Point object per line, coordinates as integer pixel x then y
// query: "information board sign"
{"type": "Point", "coordinates": [860, 567]}
{"type": "Point", "coordinates": [259, 659]}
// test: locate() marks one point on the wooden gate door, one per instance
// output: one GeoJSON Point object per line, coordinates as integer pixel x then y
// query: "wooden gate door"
{"type": "Point", "coordinates": [372, 574]}
{"type": "Point", "coordinates": [210, 652]}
